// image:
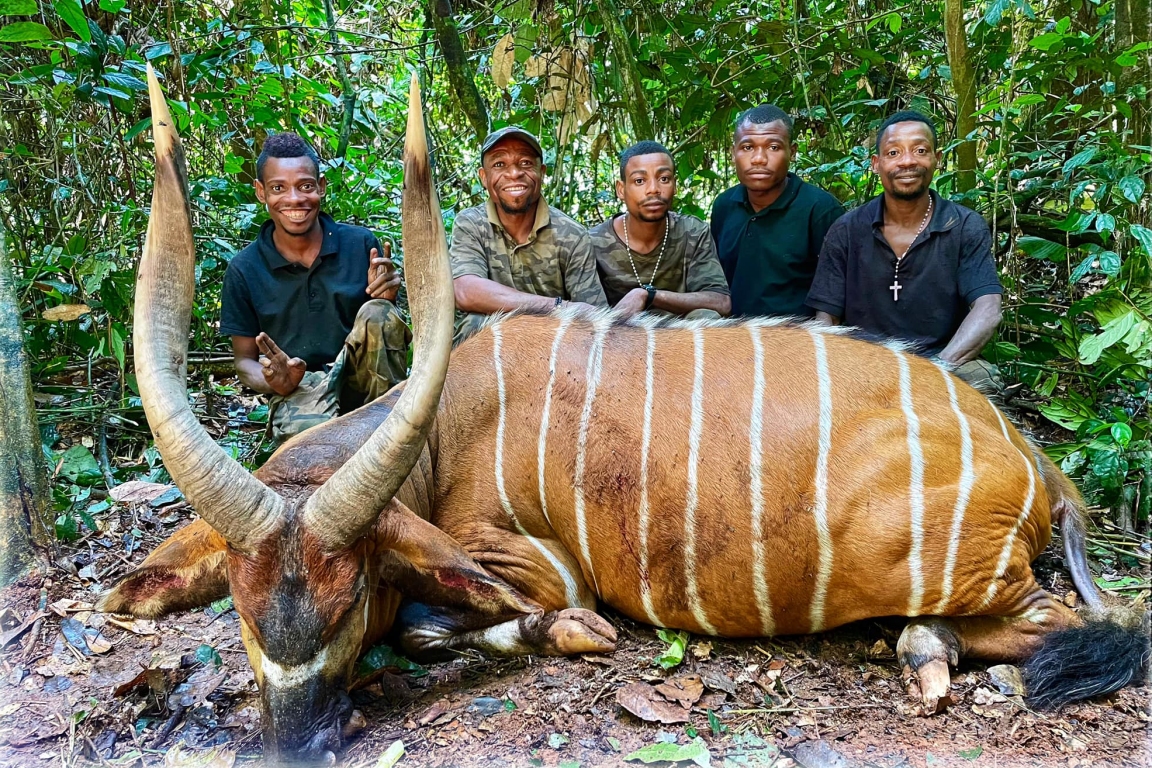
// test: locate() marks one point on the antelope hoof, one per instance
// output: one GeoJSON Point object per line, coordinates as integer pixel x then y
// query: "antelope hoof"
{"type": "Point", "coordinates": [932, 683]}
{"type": "Point", "coordinates": [578, 630]}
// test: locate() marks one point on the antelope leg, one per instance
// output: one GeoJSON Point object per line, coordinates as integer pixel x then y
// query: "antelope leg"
{"type": "Point", "coordinates": [432, 633]}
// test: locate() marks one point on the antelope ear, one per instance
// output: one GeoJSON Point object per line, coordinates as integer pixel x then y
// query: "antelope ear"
{"type": "Point", "coordinates": [431, 567]}
{"type": "Point", "coordinates": [186, 571]}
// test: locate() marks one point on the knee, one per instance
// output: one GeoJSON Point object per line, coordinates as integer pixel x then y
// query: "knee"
{"type": "Point", "coordinates": [381, 319]}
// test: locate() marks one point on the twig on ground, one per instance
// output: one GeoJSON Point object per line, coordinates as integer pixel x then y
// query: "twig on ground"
{"type": "Point", "coordinates": [782, 710]}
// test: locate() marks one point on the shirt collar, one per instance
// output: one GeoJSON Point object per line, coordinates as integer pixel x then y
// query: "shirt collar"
{"type": "Point", "coordinates": [543, 218]}
{"type": "Point", "coordinates": [945, 215]}
{"type": "Point", "coordinates": [272, 257]}
{"type": "Point", "coordinates": [791, 188]}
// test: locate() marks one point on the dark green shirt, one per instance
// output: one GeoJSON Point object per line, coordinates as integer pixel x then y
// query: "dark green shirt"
{"type": "Point", "coordinates": [769, 256]}
{"type": "Point", "coordinates": [307, 312]}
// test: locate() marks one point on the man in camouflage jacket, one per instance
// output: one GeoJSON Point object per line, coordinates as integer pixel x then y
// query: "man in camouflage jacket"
{"type": "Point", "coordinates": [516, 251]}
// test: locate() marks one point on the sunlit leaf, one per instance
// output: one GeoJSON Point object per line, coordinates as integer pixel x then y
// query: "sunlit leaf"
{"type": "Point", "coordinates": [18, 8]}
{"type": "Point", "coordinates": [73, 15]}
{"type": "Point", "coordinates": [24, 32]}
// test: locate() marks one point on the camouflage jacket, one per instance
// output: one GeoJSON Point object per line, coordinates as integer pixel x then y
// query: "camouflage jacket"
{"type": "Point", "coordinates": [556, 261]}
{"type": "Point", "coordinates": [688, 264]}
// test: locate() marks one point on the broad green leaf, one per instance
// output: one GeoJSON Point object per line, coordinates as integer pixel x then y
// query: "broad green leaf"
{"type": "Point", "coordinates": [995, 11]}
{"type": "Point", "coordinates": [1105, 222]}
{"type": "Point", "coordinates": [1132, 187]}
{"type": "Point", "coordinates": [206, 654]}
{"type": "Point", "coordinates": [1082, 269]}
{"type": "Point", "coordinates": [674, 653]}
{"type": "Point", "coordinates": [137, 129]}
{"type": "Point", "coordinates": [112, 6]}
{"type": "Point", "coordinates": [1039, 248]}
{"type": "Point", "coordinates": [1069, 412]}
{"type": "Point", "coordinates": [971, 754]}
{"type": "Point", "coordinates": [695, 752]}
{"type": "Point", "coordinates": [24, 32]}
{"type": "Point", "coordinates": [222, 605]}
{"type": "Point", "coordinates": [1122, 434]}
{"type": "Point", "coordinates": [74, 17]}
{"type": "Point", "coordinates": [1109, 262]}
{"type": "Point", "coordinates": [1045, 41]}
{"type": "Point", "coordinates": [79, 465]}
{"type": "Point", "coordinates": [1083, 157]}
{"type": "Point", "coordinates": [1144, 235]}
{"type": "Point", "coordinates": [67, 528]}
{"type": "Point", "coordinates": [1029, 98]}
{"type": "Point", "coordinates": [125, 81]}
{"type": "Point", "coordinates": [1091, 347]}
{"type": "Point", "coordinates": [18, 8]}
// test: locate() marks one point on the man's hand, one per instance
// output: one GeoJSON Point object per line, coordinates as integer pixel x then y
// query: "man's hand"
{"type": "Point", "coordinates": [282, 373]}
{"type": "Point", "coordinates": [383, 279]}
{"type": "Point", "coordinates": [633, 302]}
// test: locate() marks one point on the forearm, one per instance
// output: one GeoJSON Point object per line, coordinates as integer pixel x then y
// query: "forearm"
{"type": "Point", "coordinates": [823, 318]}
{"type": "Point", "coordinates": [251, 374]}
{"type": "Point", "coordinates": [974, 332]}
{"type": "Point", "coordinates": [477, 294]}
{"type": "Point", "coordinates": [683, 303]}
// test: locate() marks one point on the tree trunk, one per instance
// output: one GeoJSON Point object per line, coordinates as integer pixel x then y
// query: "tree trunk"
{"type": "Point", "coordinates": [460, 73]}
{"type": "Point", "coordinates": [624, 59]}
{"type": "Point", "coordinates": [24, 498]}
{"type": "Point", "coordinates": [964, 81]}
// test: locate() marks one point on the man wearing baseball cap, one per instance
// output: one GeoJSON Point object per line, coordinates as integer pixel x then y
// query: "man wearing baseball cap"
{"type": "Point", "coordinates": [515, 251]}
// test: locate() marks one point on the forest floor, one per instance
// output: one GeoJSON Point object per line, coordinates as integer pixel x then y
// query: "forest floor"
{"type": "Point", "coordinates": [83, 688]}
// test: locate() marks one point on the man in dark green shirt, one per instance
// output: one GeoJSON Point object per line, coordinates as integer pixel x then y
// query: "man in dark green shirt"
{"type": "Point", "coordinates": [769, 228]}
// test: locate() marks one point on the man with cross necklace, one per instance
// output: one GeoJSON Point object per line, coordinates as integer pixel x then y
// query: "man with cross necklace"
{"type": "Point", "coordinates": [910, 264]}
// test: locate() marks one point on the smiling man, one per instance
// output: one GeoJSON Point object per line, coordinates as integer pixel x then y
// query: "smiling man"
{"type": "Point", "coordinates": [515, 251]}
{"type": "Point", "coordinates": [910, 264]}
{"type": "Point", "coordinates": [650, 257]}
{"type": "Point", "coordinates": [309, 303]}
{"type": "Point", "coordinates": [769, 228]}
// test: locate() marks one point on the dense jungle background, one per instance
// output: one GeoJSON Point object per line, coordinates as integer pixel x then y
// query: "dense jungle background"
{"type": "Point", "coordinates": [1045, 110]}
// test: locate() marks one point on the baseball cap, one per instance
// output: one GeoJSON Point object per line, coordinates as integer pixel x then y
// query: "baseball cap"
{"type": "Point", "coordinates": [511, 130]}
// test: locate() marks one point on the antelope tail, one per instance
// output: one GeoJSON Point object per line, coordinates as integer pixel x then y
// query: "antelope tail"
{"type": "Point", "coordinates": [1068, 510]}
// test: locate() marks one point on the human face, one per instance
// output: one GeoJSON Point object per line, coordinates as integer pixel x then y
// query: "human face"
{"type": "Point", "coordinates": [907, 160]}
{"type": "Point", "coordinates": [292, 192]}
{"type": "Point", "coordinates": [648, 186]}
{"type": "Point", "coordinates": [511, 172]}
{"type": "Point", "coordinates": [761, 154]}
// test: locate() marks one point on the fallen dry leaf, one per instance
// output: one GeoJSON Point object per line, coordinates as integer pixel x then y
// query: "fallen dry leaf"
{"type": "Point", "coordinates": [718, 681]}
{"type": "Point", "coordinates": [138, 492]}
{"type": "Point", "coordinates": [433, 712]}
{"type": "Point", "coordinates": [880, 650]}
{"type": "Point", "coordinates": [135, 626]}
{"type": "Point", "coordinates": [65, 312]}
{"type": "Point", "coordinates": [647, 704]}
{"type": "Point", "coordinates": [702, 649]}
{"type": "Point", "coordinates": [1007, 679]}
{"type": "Point", "coordinates": [685, 690]}
{"type": "Point", "coordinates": [64, 606]}
{"type": "Point", "coordinates": [984, 696]}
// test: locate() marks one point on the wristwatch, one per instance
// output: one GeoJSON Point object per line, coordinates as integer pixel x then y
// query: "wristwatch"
{"type": "Point", "coordinates": [651, 296]}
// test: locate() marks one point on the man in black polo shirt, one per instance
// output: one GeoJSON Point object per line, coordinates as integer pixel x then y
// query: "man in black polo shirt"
{"type": "Point", "coordinates": [910, 264]}
{"type": "Point", "coordinates": [309, 304]}
{"type": "Point", "coordinates": [769, 228]}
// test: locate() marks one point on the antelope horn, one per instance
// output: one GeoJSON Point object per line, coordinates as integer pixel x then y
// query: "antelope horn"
{"type": "Point", "coordinates": [344, 508]}
{"type": "Point", "coordinates": [241, 508]}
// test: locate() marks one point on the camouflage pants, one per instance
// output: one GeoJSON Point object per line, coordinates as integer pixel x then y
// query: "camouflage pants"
{"type": "Point", "coordinates": [373, 360]}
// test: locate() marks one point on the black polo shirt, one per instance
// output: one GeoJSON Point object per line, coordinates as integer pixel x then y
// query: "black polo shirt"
{"type": "Point", "coordinates": [769, 256]}
{"type": "Point", "coordinates": [947, 267]}
{"type": "Point", "coordinates": [307, 312]}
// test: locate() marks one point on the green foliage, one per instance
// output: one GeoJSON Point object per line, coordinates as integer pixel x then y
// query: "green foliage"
{"type": "Point", "coordinates": [695, 752]}
{"type": "Point", "coordinates": [1064, 136]}
{"type": "Point", "coordinates": [673, 655]}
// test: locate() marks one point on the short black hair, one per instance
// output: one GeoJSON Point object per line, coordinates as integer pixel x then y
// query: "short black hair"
{"type": "Point", "coordinates": [906, 116]}
{"type": "Point", "coordinates": [644, 148]}
{"type": "Point", "coordinates": [762, 115]}
{"type": "Point", "coordinates": [281, 145]}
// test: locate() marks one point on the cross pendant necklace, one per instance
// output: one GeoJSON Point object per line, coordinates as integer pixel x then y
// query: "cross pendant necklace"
{"type": "Point", "coordinates": [895, 287]}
